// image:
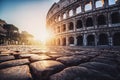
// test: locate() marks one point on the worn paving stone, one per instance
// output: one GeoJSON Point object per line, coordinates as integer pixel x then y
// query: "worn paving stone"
{"type": "Point", "coordinates": [43, 69]}
{"type": "Point", "coordinates": [73, 60]}
{"type": "Point", "coordinates": [105, 60]}
{"type": "Point", "coordinates": [26, 55]}
{"type": "Point", "coordinates": [79, 73]}
{"type": "Point", "coordinates": [16, 73]}
{"type": "Point", "coordinates": [39, 57]}
{"type": "Point", "coordinates": [6, 58]}
{"type": "Point", "coordinates": [4, 54]}
{"type": "Point", "coordinates": [54, 56]}
{"type": "Point", "coordinates": [14, 63]}
{"type": "Point", "coordinates": [101, 67]}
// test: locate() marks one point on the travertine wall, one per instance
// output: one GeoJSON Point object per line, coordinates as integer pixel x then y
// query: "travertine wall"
{"type": "Point", "coordinates": [85, 23]}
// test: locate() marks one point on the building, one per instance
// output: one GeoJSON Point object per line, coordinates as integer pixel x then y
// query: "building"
{"type": "Point", "coordinates": [2, 32]}
{"type": "Point", "coordinates": [84, 23]}
{"type": "Point", "coordinates": [10, 35]}
{"type": "Point", "coordinates": [26, 38]}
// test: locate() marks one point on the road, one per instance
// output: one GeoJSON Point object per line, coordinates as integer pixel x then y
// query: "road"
{"type": "Point", "coordinates": [58, 63]}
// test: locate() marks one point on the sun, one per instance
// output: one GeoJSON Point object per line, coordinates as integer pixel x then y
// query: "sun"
{"type": "Point", "coordinates": [43, 36]}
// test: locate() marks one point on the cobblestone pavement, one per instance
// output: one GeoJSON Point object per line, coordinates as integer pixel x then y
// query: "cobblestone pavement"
{"type": "Point", "coordinates": [57, 63]}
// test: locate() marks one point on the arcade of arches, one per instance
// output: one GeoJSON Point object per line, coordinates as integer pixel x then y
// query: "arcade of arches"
{"type": "Point", "coordinates": [102, 39]}
{"type": "Point", "coordinates": [87, 23]}
{"type": "Point", "coordinates": [101, 20]}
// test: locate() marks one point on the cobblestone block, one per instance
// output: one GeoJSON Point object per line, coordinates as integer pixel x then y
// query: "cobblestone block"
{"type": "Point", "coordinates": [101, 67]}
{"type": "Point", "coordinates": [16, 73]}
{"type": "Point", "coordinates": [43, 69]}
{"type": "Point", "coordinates": [6, 58]}
{"type": "Point", "coordinates": [79, 73]}
{"type": "Point", "coordinates": [14, 63]}
{"type": "Point", "coordinates": [39, 57]}
{"type": "Point", "coordinates": [72, 60]}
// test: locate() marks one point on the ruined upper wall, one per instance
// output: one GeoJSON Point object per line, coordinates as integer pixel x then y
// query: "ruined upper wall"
{"type": "Point", "coordinates": [58, 6]}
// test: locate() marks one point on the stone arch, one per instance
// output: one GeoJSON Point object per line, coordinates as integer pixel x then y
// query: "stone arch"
{"type": "Point", "coordinates": [64, 16]}
{"type": "Point", "coordinates": [64, 41]}
{"type": "Point", "coordinates": [71, 26]}
{"type": "Point", "coordinates": [103, 39]}
{"type": "Point", "coordinates": [101, 19]}
{"type": "Point", "coordinates": [89, 22]}
{"type": "Point", "coordinates": [79, 40]}
{"type": "Point", "coordinates": [64, 27]}
{"type": "Point", "coordinates": [58, 41]}
{"type": "Point", "coordinates": [79, 24]}
{"type": "Point", "coordinates": [71, 40]}
{"type": "Point", "coordinates": [88, 6]}
{"type": "Point", "coordinates": [115, 17]}
{"type": "Point", "coordinates": [99, 3]}
{"type": "Point", "coordinates": [90, 40]}
{"type": "Point", "coordinates": [70, 13]}
{"type": "Point", "coordinates": [111, 2]}
{"type": "Point", "coordinates": [59, 18]}
{"type": "Point", "coordinates": [78, 10]}
{"type": "Point", "coordinates": [116, 39]}
{"type": "Point", "coordinates": [58, 29]}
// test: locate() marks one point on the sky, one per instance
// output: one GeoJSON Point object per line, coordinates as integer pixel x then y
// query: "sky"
{"type": "Point", "coordinates": [27, 15]}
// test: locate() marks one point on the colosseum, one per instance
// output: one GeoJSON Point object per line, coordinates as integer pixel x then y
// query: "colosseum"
{"type": "Point", "coordinates": [84, 23]}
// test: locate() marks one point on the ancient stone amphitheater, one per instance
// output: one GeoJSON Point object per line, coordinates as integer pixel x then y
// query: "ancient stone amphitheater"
{"type": "Point", "coordinates": [85, 23]}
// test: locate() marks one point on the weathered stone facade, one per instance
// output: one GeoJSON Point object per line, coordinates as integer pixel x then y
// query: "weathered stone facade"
{"type": "Point", "coordinates": [85, 23]}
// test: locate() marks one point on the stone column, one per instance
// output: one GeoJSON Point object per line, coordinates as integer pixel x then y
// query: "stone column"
{"type": "Point", "coordinates": [84, 23]}
{"type": "Point", "coordinates": [74, 11]}
{"type": "Point", "coordinates": [110, 40]}
{"type": "Point", "coordinates": [82, 8]}
{"type": "Point", "coordinates": [109, 20]}
{"type": "Point", "coordinates": [106, 3]}
{"type": "Point", "coordinates": [75, 41]}
{"type": "Point", "coordinates": [96, 40]}
{"type": "Point", "coordinates": [67, 14]}
{"type": "Point", "coordinates": [67, 42]}
{"type": "Point", "coordinates": [93, 5]}
{"type": "Point", "coordinates": [67, 25]}
{"type": "Point", "coordinates": [85, 40]}
{"type": "Point", "coordinates": [95, 21]}
{"type": "Point", "coordinates": [74, 24]}
{"type": "Point", "coordinates": [61, 42]}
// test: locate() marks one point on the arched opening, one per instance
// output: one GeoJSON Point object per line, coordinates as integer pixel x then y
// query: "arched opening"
{"type": "Point", "coordinates": [89, 22]}
{"type": "Point", "coordinates": [88, 6]}
{"type": "Point", "coordinates": [99, 3]}
{"type": "Point", "coordinates": [58, 41]}
{"type": "Point", "coordinates": [115, 17]}
{"type": "Point", "coordinates": [90, 40]}
{"type": "Point", "coordinates": [64, 28]}
{"type": "Point", "coordinates": [79, 24]}
{"type": "Point", "coordinates": [103, 39]}
{"type": "Point", "coordinates": [70, 13]}
{"type": "Point", "coordinates": [79, 41]}
{"type": "Point", "coordinates": [71, 26]}
{"type": "Point", "coordinates": [78, 10]}
{"type": "Point", "coordinates": [116, 39]}
{"type": "Point", "coordinates": [112, 2]}
{"type": "Point", "coordinates": [71, 40]}
{"type": "Point", "coordinates": [64, 41]}
{"type": "Point", "coordinates": [58, 29]}
{"type": "Point", "coordinates": [59, 18]}
{"type": "Point", "coordinates": [101, 20]}
{"type": "Point", "coordinates": [64, 16]}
